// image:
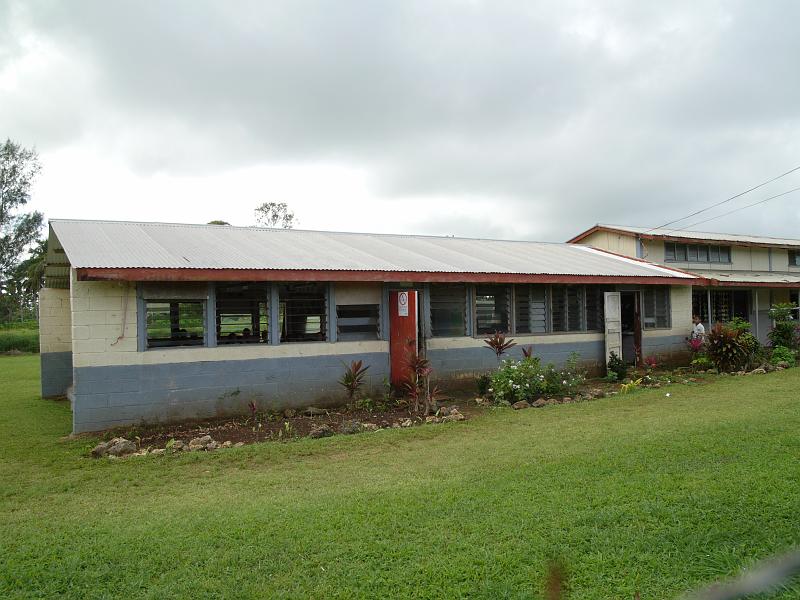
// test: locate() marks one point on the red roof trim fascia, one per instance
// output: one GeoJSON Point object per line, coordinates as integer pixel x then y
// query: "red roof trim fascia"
{"type": "Point", "coordinates": [148, 274]}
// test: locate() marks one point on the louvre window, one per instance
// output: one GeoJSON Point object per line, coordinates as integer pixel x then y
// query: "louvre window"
{"type": "Point", "coordinates": [696, 253]}
{"type": "Point", "coordinates": [794, 258]}
{"type": "Point", "coordinates": [595, 311]}
{"type": "Point", "coordinates": [303, 312]}
{"type": "Point", "coordinates": [491, 309]}
{"type": "Point", "coordinates": [656, 307]}
{"type": "Point", "coordinates": [530, 308]}
{"type": "Point", "coordinates": [357, 322]}
{"type": "Point", "coordinates": [242, 314]}
{"type": "Point", "coordinates": [567, 308]}
{"type": "Point", "coordinates": [794, 297]}
{"type": "Point", "coordinates": [174, 323]}
{"type": "Point", "coordinates": [448, 310]}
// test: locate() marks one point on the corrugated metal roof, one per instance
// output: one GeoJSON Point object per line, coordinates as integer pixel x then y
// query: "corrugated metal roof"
{"type": "Point", "coordinates": [705, 235]}
{"type": "Point", "coordinates": [111, 244]}
{"type": "Point", "coordinates": [751, 276]}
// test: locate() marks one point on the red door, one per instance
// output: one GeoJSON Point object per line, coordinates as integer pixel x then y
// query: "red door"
{"type": "Point", "coordinates": [402, 333]}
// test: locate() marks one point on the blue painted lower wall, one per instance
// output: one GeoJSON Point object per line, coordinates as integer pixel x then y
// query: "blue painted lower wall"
{"type": "Point", "coordinates": [464, 362]}
{"type": "Point", "coordinates": [106, 397]}
{"type": "Point", "coordinates": [56, 373]}
{"type": "Point", "coordinates": [667, 347]}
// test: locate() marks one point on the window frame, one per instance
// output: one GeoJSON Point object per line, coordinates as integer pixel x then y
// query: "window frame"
{"type": "Point", "coordinates": [143, 330]}
{"type": "Point", "coordinates": [508, 313]}
{"type": "Point", "coordinates": [325, 316]}
{"type": "Point", "coordinates": [225, 340]}
{"type": "Point", "coordinates": [667, 291]}
{"type": "Point", "coordinates": [698, 253]}
{"type": "Point", "coordinates": [467, 296]}
{"type": "Point", "coordinates": [358, 336]}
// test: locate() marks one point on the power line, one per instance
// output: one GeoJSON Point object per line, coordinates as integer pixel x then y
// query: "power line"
{"type": "Point", "coordinates": [736, 210]}
{"type": "Point", "coordinates": [789, 172]}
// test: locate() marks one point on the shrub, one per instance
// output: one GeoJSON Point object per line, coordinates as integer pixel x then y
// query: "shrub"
{"type": "Point", "coordinates": [702, 363]}
{"type": "Point", "coordinates": [617, 366]}
{"type": "Point", "coordinates": [695, 344]}
{"type": "Point", "coordinates": [783, 354]}
{"type": "Point", "coordinates": [651, 362]}
{"type": "Point", "coordinates": [785, 330]}
{"type": "Point", "coordinates": [484, 383]}
{"type": "Point", "coordinates": [499, 344]}
{"type": "Point", "coordinates": [725, 349]}
{"type": "Point", "coordinates": [417, 385]}
{"type": "Point", "coordinates": [19, 340]}
{"type": "Point", "coordinates": [751, 348]}
{"type": "Point", "coordinates": [528, 379]}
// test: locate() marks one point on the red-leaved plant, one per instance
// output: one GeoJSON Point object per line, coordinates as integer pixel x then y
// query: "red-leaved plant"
{"type": "Point", "coordinates": [417, 383]}
{"type": "Point", "coordinates": [527, 351]}
{"type": "Point", "coordinates": [499, 343]}
{"type": "Point", "coordinates": [651, 362]}
{"type": "Point", "coordinates": [353, 378]}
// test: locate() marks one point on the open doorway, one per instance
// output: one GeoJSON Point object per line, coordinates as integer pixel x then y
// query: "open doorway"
{"type": "Point", "coordinates": [630, 314]}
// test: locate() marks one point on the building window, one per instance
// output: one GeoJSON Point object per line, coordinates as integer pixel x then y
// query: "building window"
{"type": "Point", "coordinates": [491, 309]}
{"type": "Point", "coordinates": [530, 308]}
{"type": "Point", "coordinates": [655, 301]}
{"type": "Point", "coordinates": [357, 322]}
{"type": "Point", "coordinates": [303, 312]}
{"type": "Point", "coordinates": [794, 258]}
{"type": "Point", "coordinates": [567, 308]}
{"type": "Point", "coordinates": [448, 310]}
{"type": "Point", "coordinates": [794, 297]}
{"type": "Point", "coordinates": [242, 315]}
{"type": "Point", "coordinates": [595, 309]}
{"type": "Point", "coordinates": [696, 253]}
{"type": "Point", "coordinates": [172, 323]}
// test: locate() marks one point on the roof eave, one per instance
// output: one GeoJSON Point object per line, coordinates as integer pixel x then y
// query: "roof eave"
{"type": "Point", "coordinates": [154, 274]}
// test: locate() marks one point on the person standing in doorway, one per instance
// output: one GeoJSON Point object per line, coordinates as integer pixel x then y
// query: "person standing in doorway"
{"type": "Point", "coordinates": [698, 330]}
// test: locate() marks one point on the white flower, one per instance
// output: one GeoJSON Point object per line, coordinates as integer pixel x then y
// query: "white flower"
{"type": "Point", "coordinates": [667, 394]}
{"type": "Point", "coordinates": [490, 390]}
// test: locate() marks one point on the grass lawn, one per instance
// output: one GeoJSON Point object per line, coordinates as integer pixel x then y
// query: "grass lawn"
{"type": "Point", "coordinates": [642, 493]}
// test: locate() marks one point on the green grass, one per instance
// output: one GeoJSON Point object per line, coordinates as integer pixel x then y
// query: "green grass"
{"type": "Point", "coordinates": [634, 493]}
{"type": "Point", "coordinates": [19, 339]}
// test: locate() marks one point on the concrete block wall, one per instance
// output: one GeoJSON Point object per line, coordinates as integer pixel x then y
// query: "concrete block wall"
{"type": "Point", "coordinates": [670, 344]}
{"type": "Point", "coordinates": [115, 384]}
{"type": "Point", "coordinates": [464, 357]}
{"type": "Point", "coordinates": [55, 341]}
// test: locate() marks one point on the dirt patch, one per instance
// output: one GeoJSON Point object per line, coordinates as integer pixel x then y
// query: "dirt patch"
{"type": "Point", "coordinates": [281, 427]}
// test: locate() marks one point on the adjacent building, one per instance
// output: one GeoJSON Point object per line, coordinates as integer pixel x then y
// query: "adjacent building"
{"type": "Point", "coordinates": [738, 275]}
{"type": "Point", "coordinates": [156, 322]}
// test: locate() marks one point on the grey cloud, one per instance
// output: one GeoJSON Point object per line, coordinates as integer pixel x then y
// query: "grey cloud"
{"type": "Point", "coordinates": [563, 114]}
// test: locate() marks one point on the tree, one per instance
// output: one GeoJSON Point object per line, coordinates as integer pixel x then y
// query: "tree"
{"type": "Point", "coordinates": [18, 169]}
{"type": "Point", "coordinates": [272, 214]}
{"type": "Point", "coordinates": [217, 222]}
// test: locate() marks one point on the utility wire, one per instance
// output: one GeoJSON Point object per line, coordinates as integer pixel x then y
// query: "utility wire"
{"type": "Point", "coordinates": [702, 210]}
{"type": "Point", "coordinates": [735, 210]}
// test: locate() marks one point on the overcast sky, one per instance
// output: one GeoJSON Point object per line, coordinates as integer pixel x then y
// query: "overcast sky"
{"type": "Point", "coordinates": [521, 119]}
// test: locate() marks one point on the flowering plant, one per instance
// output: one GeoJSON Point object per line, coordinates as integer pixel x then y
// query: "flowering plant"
{"type": "Point", "coordinates": [527, 380]}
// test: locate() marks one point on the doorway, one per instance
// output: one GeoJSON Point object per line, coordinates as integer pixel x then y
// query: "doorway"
{"type": "Point", "coordinates": [630, 314]}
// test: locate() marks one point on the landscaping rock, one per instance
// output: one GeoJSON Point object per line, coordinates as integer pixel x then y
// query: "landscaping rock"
{"type": "Point", "coordinates": [782, 365]}
{"type": "Point", "coordinates": [238, 444]}
{"type": "Point", "coordinates": [539, 403]}
{"type": "Point", "coordinates": [351, 427]}
{"type": "Point", "coordinates": [520, 405]}
{"type": "Point", "coordinates": [454, 415]}
{"type": "Point", "coordinates": [432, 419]}
{"type": "Point", "coordinates": [202, 443]}
{"type": "Point", "coordinates": [179, 446]}
{"type": "Point", "coordinates": [321, 432]}
{"type": "Point", "coordinates": [227, 444]}
{"type": "Point", "coordinates": [759, 371]}
{"type": "Point", "coordinates": [289, 413]}
{"type": "Point", "coordinates": [116, 447]}
{"type": "Point", "coordinates": [313, 411]}
{"type": "Point", "coordinates": [566, 400]}
{"type": "Point", "coordinates": [407, 423]}
{"type": "Point", "coordinates": [158, 451]}
{"type": "Point", "coordinates": [370, 426]}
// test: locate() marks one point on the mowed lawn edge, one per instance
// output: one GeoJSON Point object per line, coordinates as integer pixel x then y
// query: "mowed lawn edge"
{"type": "Point", "coordinates": [642, 492]}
